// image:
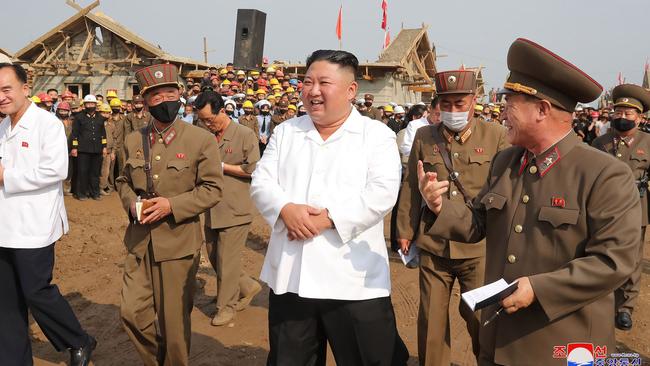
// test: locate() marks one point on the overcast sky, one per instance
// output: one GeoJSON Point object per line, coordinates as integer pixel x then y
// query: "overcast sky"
{"type": "Point", "coordinates": [601, 37]}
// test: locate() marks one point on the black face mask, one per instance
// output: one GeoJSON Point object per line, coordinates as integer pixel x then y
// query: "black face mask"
{"type": "Point", "coordinates": [166, 112]}
{"type": "Point", "coordinates": [622, 124]}
{"type": "Point", "coordinates": [301, 113]}
{"type": "Point", "coordinates": [368, 104]}
{"type": "Point", "coordinates": [265, 112]}
{"type": "Point", "coordinates": [229, 112]}
{"type": "Point", "coordinates": [62, 115]}
{"type": "Point", "coordinates": [91, 110]}
{"type": "Point", "coordinates": [138, 109]}
{"type": "Point", "coordinates": [248, 111]}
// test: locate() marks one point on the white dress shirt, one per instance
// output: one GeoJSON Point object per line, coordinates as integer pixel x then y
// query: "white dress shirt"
{"type": "Point", "coordinates": [355, 174]}
{"type": "Point", "coordinates": [35, 157]}
{"type": "Point", "coordinates": [409, 135]}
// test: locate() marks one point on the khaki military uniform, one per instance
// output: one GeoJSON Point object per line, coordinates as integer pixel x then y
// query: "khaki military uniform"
{"type": "Point", "coordinates": [635, 152]}
{"type": "Point", "coordinates": [568, 220]}
{"type": "Point", "coordinates": [162, 259]}
{"type": "Point", "coordinates": [373, 113]}
{"type": "Point", "coordinates": [133, 122]}
{"type": "Point", "coordinates": [251, 122]}
{"type": "Point", "coordinates": [443, 261]}
{"type": "Point", "coordinates": [276, 119]}
{"type": "Point", "coordinates": [228, 223]}
{"type": "Point", "coordinates": [118, 137]}
{"type": "Point", "coordinates": [107, 163]}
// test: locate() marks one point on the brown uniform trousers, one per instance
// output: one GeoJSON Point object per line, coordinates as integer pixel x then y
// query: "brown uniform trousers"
{"type": "Point", "coordinates": [443, 261]}
{"type": "Point", "coordinates": [107, 163]}
{"type": "Point", "coordinates": [251, 122]}
{"type": "Point", "coordinates": [160, 268]}
{"type": "Point", "coordinates": [228, 223]}
{"type": "Point", "coordinates": [635, 152]}
{"type": "Point", "coordinates": [373, 113]}
{"type": "Point", "coordinates": [569, 220]}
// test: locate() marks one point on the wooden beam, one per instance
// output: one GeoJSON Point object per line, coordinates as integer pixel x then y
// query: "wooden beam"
{"type": "Point", "coordinates": [421, 68]}
{"type": "Point", "coordinates": [82, 53]}
{"type": "Point", "coordinates": [43, 54]}
{"type": "Point", "coordinates": [53, 53]}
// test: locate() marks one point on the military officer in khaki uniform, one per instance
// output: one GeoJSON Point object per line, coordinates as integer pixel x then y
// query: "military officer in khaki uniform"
{"type": "Point", "coordinates": [461, 146]}
{"type": "Point", "coordinates": [249, 119]}
{"type": "Point", "coordinates": [108, 161]}
{"type": "Point", "coordinates": [177, 168]}
{"type": "Point", "coordinates": [119, 122]}
{"type": "Point", "coordinates": [559, 217]}
{"type": "Point", "coordinates": [138, 118]}
{"type": "Point", "coordinates": [281, 114]}
{"type": "Point", "coordinates": [371, 111]}
{"type": "Point", "coordinates": [632, 147]}
{"type": "Point", "coordinates": [228, 223]}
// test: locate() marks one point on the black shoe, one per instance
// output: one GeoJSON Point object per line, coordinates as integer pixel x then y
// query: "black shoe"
{"type": "Point", "coordinates": [97, 198]}
{"type": "Point", "coordinates": [81, 198]}
{"type": "Point", "coordinates": [623, 321]}
{"type": "Point", "coordinates": [81, 356]}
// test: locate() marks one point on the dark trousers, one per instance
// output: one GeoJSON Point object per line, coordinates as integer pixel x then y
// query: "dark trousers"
{"type": "Point", "coordinates": [89, 167]}
{"type": "Point", "coordinates": [359, 332]}
{"type": "Point", "coordinates": [25, 276]}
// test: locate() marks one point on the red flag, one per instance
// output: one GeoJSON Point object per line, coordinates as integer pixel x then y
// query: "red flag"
{"type": "Point", "coordinates": [620, 78]}
{"type": "Point", "coordinates": [384, 19]}
{"type": "Point", "coordinates": [386, 38]}
{"type": "Point", "coordinates": [339, 24]}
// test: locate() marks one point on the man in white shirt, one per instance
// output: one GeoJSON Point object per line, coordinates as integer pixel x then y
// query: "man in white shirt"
{"type": "Point", "coordinates": [33, 165]}
{"type": "Point", "coordinates": [324, 184]}
{"type": "Point", "coordinates": [432, 118]}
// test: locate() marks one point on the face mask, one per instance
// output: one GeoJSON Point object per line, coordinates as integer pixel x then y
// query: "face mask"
{"type": "Point", "coordinates": [229, 112]}
{"type": "Point", "coordinates": [166, 112]}
{"type": "Point", "coordinates": [367, 104]}
{"type": "Point", "coordinates": [63, 115]}
{"type": "Point", "coordinates": [622, 124]}
{"type": "Point", "coordinates": [91, 110]}
{"type": "Point", "coordinates": [283, 111]}
{"type": "Point", "coordinates": [454, 121]}
{"type": "Point", "coordinates": [248, 111]}
{"type": "Point", "coordinates": [265, 112]}
{"type": "Point", "coordinates": [116, 111]}
{"type": "Point", "coordinates": [138, 109]}
{"type": "Point", "coordinates": [300, 113]}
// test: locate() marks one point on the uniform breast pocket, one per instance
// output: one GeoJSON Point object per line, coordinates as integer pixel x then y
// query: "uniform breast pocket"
{"type": "Point", "coordinates": [638, 162]}
{"type": "Point", "coordinates": [479, 159]}
{"type": "Point", "coordinates": [433, 164]}
{"type": "Point", "coordinates": [179, 171]}
{"type": "Point", "coordinates": [136, 169]}
{"type": "Point", "coordinates": [559, 217]}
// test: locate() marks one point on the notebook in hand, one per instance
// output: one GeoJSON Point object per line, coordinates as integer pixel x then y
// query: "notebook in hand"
{"type": "Point", "coordinates": [489, 294]}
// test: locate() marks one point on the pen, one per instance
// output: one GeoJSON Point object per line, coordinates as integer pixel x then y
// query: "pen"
{"type": "Point", "coordinates": [494, 316]}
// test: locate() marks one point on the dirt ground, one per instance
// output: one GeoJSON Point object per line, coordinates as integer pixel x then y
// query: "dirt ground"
{"type": "Point", "coordinates": [88, 271]}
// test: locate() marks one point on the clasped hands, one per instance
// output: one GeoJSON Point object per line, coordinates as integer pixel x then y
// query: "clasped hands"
{"type": "Point", "coordinates": [303, 221]}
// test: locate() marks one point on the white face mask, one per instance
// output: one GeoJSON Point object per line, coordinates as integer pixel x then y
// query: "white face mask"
{"type": "Point", "coordinates": [454, 121]}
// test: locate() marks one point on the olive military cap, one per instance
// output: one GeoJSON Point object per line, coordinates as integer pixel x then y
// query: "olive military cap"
{"type": "Point", "coordinates": [536, 71]}
{"type": "Point", "coordinates": [630, 95]}
{"type": "Point", "coordinates": [455, 82]}
{"type": "Point", "coordinates": [157, 75]}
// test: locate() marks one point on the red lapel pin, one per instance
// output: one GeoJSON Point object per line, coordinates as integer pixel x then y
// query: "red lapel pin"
{"type": "Point", "coordinates": [25, 144]}
{"type": "Point", "coordinates": [180, 156]}
{"type": "Point", "coordinates": [479, 150]}
{"type": "Point", "coordinates": [558, 202]}
{"type": "Point", "coordinates": [640, 151]}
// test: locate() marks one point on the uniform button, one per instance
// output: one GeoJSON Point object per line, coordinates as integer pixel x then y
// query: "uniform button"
{"type": "Point", "coordinates": [454, 193]}
{"type": "Point", "coordinates": [455, 155]}
{"type": "Point", "coordinates": [491, 199]}
{"type": "Point", "coordinates": [621, 143]}
{"type": "Point", "coordinates": [619, 155]}
{"type": "Point", "coordinates": [157, 158]}
{"type": "Point", "coordinates": [457, 138]}
{"type": "Point", "coordinates": [160, 141]}
{"type": "Point", "coordinates": [512, 259]}
{"type": "Point", "coordinates": [155, 176]}
{"type": "Point", "coordinates": [519, 228]}
{"type": "Point", "coordinates": [525, 198]}
{"type": "Point", "coordinates": [533, 169]}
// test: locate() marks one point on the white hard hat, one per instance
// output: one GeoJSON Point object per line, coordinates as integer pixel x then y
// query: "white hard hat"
{"type": "Point", "coordinates": [399, 109]}
{"type": "Point", "coordinates": [408, 105]}
{"type": "Point", "coordinates": [231, 102]}
{"type": "Point", "coordinates": [262, 103]}
{"type": "Point", "coordinates": [4, 59]}
{"type": "Point", "coordinates": [90, 99]}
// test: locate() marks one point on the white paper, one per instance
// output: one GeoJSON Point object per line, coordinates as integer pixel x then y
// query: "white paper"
{"type": "Point", "coordinates": [473, 297]}
{"type": "Point", "coordinates": [413, 252]}
{"type": "Point", "coordinates": [138, 210]}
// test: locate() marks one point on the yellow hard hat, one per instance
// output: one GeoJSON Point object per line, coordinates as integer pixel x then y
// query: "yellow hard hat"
{"type": "Point", "coordinates": [276, 87]}
{"type": "Point", "coordinates": [478, 107]}
{"type": "Point", "coordinates": [274, 81]}
{"type": "Point", "coordinates": [255, 73]}
{"type": "Point", "coordinates": [226, 82]}
{"type": "Point", "coordinates": [223, 71]}
{"type": "Point", "coordinates": [111, 94]}
{"type": "Point", "coordinates": [250, 92]}
{"type": "Point", "coordinates": [36, 99]}
{"type": "Point", "coordinates": [277, 95]}
{"type": "Point", "coordinates": [247, 104]}
{"type": "Point", "coordinates": [496, 109]}
{"type": "Point", "coordinates": [388, 108]}
{"type": "Point", "coordinates": [293, 107]}
{"type": "Point", "coordinates": [104, 108]}
{"type": "Point", "coordinates": [290, 90]}
{"type": "Point", "coordinates": [115, 102]}
{"type": "Point", "coordinates": [270, 69]}
{"type": "Point", "coordinates": [241, 72]}
{"type": "Point", "coordinates": [271, 97]}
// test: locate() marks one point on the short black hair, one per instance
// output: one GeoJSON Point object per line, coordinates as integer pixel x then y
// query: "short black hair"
{"type": "Point", "coordinates": [21, 74]}
{"type": "Point", "coordinates": [341, 58]}
{"type": "Point", "coordinates": [52, 89]}
{"type": "Point", "coordinates": [435, 101]}
{"type": "Point", "coordinates": [211, 97]}
{"type": "Point", "coordinates": [415, 111]}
